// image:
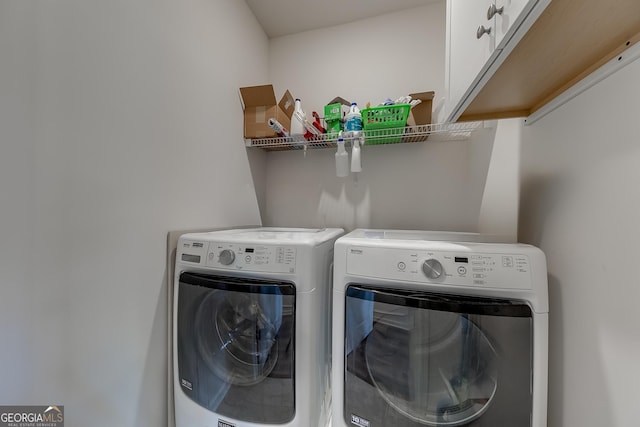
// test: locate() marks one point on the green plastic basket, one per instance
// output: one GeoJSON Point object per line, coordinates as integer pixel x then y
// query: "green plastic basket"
{"type": "Point", "coordinates": [385, 124]}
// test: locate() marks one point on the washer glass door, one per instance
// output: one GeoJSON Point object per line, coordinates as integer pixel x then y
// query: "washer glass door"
{"type": "Point", "coordinates": [236, 346]}
{"type": "Point", "coordinates": [414, 358]}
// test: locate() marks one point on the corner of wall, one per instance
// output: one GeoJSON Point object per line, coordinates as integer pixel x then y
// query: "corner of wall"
{"type": "Point", "coordinates": [501, 197]}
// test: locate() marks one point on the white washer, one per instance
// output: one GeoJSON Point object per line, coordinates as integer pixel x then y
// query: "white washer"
{"type": "Point", "coordinates": [252, 335]}
{"type": "Point", "coordinates": [438, 329]}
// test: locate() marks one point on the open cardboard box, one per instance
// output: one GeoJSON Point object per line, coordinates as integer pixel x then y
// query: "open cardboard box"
{"type": "Point", "coordinates": [259, 105]}
{"type": "Point", "coordinates": [420, 117]}
{"type": "Point", "coordinates": [421, 113]}
{"type": "Point", "coordinates": [340, 107]}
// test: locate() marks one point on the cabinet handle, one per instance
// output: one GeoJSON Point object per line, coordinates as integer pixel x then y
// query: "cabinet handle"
{"type": "Point", "coordinates": [493, 11]}
{"type": "Point", "coordinates": [482, 31]}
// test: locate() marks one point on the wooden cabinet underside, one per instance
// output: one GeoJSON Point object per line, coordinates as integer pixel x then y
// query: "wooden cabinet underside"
{"type": "Point", "coordinates": [571, 39]}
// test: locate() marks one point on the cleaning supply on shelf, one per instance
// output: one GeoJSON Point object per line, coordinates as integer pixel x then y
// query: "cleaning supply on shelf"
{"type": "Point", "coordinates": [353, 120]}
{"type": "Point", "coordinates": [356, 165]}
{"type": "Point", "coordinates": [297, 119]}
{"type": "Point", "coordinates": [403, 100]}
{"type": "Point", "coordinates": [317, 123]}
{"type": "Point", "coordinates": [333, 119]}
{"type": "Point", "coordinates": [342, 159]}
{"type": "Point", "coordinates": [280, 130]}
{"type": "Point", "coordinates": [300, 126]}
{"type": "Point", "coordinates": [310, 130]}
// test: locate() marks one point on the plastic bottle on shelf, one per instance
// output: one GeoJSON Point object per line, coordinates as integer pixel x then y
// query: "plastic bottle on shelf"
{"type": "Point", "coordinates": [356, 165]}
{"type": "Point", "coordinates": [317, 123]}
{"type": "Point", "coordinates": [297, 120]}
{"type": "Point", "coordinates": [353, 120]}
{"type": "Point", "coordinates": [342, 159]}
{"type": "Point", "coordinates": [277, 127]}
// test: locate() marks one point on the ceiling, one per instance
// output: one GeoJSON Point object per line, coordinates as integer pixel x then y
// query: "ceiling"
{"type": "Point", "coordinates": [283, 17]}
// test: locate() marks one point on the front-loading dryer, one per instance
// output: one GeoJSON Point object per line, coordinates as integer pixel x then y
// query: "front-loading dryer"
{"type": "Point", "coordinates": [438, 329]}
{"type": "Point", "coordinates": [252, 335]}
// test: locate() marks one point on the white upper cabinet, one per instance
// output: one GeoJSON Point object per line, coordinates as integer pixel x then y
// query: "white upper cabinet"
{"type": "Point", "coordinates": [470, 44]}
{"type": "Point", "coordinates": [543, 48]}
{"type": "Point", "coordinates": [509, 16]}
{"type": "Point", "coordinates": [480, 34]}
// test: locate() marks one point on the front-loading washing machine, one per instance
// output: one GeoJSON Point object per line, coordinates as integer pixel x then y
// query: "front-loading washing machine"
{"type": "Point", "coordinates": [252, 335]}
{"type": "Point", "coordinates": [438, 329]}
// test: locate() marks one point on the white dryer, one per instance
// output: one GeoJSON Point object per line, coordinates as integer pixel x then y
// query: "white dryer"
{"type": "Point", "coordinates": [251, 340]}
{"type": "Point", "coordinates": [438, 329]}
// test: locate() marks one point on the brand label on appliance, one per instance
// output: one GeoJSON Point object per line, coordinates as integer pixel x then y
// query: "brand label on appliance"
{"type": "Point", "coordinates": [186, 384]}
{"type": "Point", "coordinates": [359, 421]}
{"type": "Point", "coordinates": [222, 423]}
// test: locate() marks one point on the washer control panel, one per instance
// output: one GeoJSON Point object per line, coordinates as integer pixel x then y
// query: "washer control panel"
{"type": "Point", "coordinates": [259, 258]}
{"type": "Point", "coordinates": [495, 270]}
{"type": "Point", "coordinates": [234, 256]}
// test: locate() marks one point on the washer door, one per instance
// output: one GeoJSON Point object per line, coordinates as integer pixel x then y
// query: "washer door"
{"type": "Point", "coordinates": [236, 346]}
{"type": "Point", "coordinates": [450, 352]}
{"type": "Point", "coordinates": [236, 335]}
{"type": "Point", "coordinates": [415, 359]}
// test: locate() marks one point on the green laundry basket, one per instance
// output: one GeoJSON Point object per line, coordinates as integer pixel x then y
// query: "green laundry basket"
{"type": "Point", "coordinates": [385, 124]}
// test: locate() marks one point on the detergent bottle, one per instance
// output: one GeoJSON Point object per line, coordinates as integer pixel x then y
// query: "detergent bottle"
{"type": "Point", "coordinates": [353, 120]}
{"type": "Point", "coordinates": [297, 120]}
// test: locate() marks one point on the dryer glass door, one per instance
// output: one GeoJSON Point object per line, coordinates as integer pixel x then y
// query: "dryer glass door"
{"type": "Point", "coordinates": [236, 346]}
{"type": "Point", "coordinates": [415, 358]}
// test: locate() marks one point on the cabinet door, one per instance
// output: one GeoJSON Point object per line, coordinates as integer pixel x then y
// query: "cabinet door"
{"type": "Point", "coordinates": [467, 54]}
{"type": "Point", "coordinates": [509, 17]}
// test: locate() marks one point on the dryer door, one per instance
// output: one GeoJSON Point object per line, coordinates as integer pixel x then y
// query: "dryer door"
{"type": "Point", "coordinates": [415, 358]}
{"type": "Point", "coordinates": [236, 346]}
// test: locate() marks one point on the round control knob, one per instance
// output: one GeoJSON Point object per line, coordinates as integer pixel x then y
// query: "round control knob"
{"type": "Point", "coordinates": [432, 269]}
{"type": "Point", "coordinates": [226, 257]}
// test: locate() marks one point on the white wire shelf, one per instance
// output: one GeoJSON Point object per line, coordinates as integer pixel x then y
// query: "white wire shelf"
{"type": "Point", "coordinates": [409, 134]}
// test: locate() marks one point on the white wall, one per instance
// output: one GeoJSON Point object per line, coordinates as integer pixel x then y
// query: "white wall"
{"type": "Point", "coordinates": [581, 205]}
{"type": "Point", "coordinates": [366, 61]}
{"type": "Point", "coordinates": [433, 185]}
{"type": "Point", "coordinates": [120, 121]}
{"type": "Point", "coordinates": [401, 186]}
{"type": "Point", "coordinates": [17, 143]}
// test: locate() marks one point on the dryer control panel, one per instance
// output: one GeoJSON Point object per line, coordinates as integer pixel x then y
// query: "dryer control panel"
{"type": "Point", "coordinates": [495, 270]}
{"type": "Point", "coordinates": [234, 256]}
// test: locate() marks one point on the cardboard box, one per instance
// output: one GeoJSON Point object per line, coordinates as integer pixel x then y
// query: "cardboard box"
{"type": "Point", "coordinates": [336, 109]}
{"type": "Point", "coordinates": [421, 113]}
{"type": "Point", "coordinates": [259, 105]}
{"type": "Point", "coordinates": [334, 113]}
{"type": "Point", "coordinates": [419, 118]}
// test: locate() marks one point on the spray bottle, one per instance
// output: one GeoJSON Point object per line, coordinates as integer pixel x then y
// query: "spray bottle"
{"type": "Point", "coordinates": [342, 159]}
{"type": "Point", "coordinates": [356, 165]}
{"type": "Point", "coordinates": [277, 127]}
{"type": "Point", "coordinates": [317, 123]}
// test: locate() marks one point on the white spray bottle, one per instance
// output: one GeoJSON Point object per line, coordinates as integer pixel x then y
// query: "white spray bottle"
{"type": "Point", "coordinates": [342, 159]}
{"type": "Point", "coordinates": [356, 165]}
